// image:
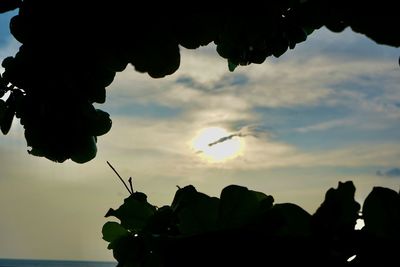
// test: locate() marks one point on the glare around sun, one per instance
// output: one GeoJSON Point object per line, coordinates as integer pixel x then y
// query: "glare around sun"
{"type": "Point", "coordinates": [215, 144]}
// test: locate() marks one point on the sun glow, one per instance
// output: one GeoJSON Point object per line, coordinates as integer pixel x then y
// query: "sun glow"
{"type": "Point", "coordinates": [215, 144]}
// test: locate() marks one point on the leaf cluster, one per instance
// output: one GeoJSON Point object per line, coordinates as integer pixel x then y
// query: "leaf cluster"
{"type": "Point", "coordinates": [246, 228]}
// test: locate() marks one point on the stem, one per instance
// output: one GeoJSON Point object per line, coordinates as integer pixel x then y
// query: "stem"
{"type": "Point", "coordinates": [130, 184]}
{"type": "Point", "coordinates": [119, 176]}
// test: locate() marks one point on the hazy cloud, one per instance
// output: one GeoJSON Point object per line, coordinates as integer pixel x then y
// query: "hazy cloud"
{"type": "Point", "coordinates": [190, 82]}
{"type": "Point", "coordinates": [323, 126]}
{"type": "Point", "coordinates": [395, 172]}
{"type": "Point", "coordinates": [225, 81]}
{"type": "Point", "coordinates": [207, 94]}
{"type": "Point", "coordinates": [166, 143]}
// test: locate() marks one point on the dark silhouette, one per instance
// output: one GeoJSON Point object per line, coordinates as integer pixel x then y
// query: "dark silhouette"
{"type": "Point", "coordinates": [245, 228]}
{"type": "Point", "coordinates": [71, 51]}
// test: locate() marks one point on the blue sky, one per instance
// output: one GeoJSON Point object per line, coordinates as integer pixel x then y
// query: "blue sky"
{"type": "Point", "coordinates": [325, 112]}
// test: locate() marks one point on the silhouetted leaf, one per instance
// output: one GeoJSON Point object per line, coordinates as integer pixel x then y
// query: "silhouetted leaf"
{"type": "Point", "coordinates": [129, 250]}
{"type": "Point", "coordinates": [295, 35]}
{"type": "Point", "coordinates": [134, 213]}
{"type": "Point", "coordinates": [2, 109]}
{"type": "Point", "coordinates": [231, 66]}
{"type": "Point", "coordinates": [339, 211]}
{"type": "Point", "coordinates": [239, 205]}
{"type": "Point", "coordinates": [112, 231]}
{"type": "Point", "coordinates": [198, 215]}
{"type": "Point", "coordinates": [196, 212]}
{"type": "Point", "coordinates": [295, 220]}
{"type": "Point", "coordinates": [162, 222]}
{"type": "Point", "coordinates": [85, 149]}
{"type": "Point", "coordinates": [183, 195]}
{"type": "Point", "coordinates": [279, 46]}
{"type": "Point", "coordinates": [381, 213]}
{"type": "Point", "coordinates": [18, 28]}
{"type": "Point", "coordinates": [252, 230]}
{"type": "Point", "coordinates": [8, 115]}
{"type": "Point", "coordinates": [7, 5]}
{"type": "Point", "coordinates": [100, 123]}
{"type": "Point", "coordinates": [7, 62]}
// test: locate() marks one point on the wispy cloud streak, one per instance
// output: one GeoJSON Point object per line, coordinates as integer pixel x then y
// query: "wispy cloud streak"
{"type": "Point", "coordinates": [395, 172]}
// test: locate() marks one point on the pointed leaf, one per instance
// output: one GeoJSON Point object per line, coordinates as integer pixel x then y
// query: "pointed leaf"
{"type": "Point", "coordinates": [8, 115]}
{"type": "Point", "coordinates": [231, 66]}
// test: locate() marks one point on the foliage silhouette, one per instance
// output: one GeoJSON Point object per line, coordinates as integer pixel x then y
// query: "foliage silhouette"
{"type": "Point", "coordinates": [245, 228]}
{"type": "Point", "coordinates": [71, 51]}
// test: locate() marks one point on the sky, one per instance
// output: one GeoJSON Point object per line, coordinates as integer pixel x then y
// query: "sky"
{"type": "Point", "coordinates": [325, 112]}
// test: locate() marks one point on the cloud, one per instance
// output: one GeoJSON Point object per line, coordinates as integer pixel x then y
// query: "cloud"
{"type": "Point", "coordinates": [321, 80]}
{"type": "Point", "coordinates": [357, 93]}
{"type": "Point", "coordinates": [326, 125]}
{"type": "Point", "coordinates": [141, 143]}
{"type": "Point", "coordinates": [395, 172]}
{"type": "Point", "coordinates": [261, 85]}
{"type": "Point", "coordinates": [190, 82]}
{"type": "Point", "coordinates": [267, 154]}
{"type": "Point", "coordinates": [225, 81]}
{"type": "Point", "coordinates": [157, 117]}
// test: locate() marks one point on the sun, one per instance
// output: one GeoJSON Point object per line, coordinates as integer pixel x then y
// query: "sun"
{"type": "Point", "coordinates": [215, 144]}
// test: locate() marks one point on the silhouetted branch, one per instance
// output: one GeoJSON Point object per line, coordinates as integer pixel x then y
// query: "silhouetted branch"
{"type": "Point", "coordinates": [122, 180]}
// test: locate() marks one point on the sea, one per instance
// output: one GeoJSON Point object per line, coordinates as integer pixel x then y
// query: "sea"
{"type": "Point", "coordinates": [54, 263]}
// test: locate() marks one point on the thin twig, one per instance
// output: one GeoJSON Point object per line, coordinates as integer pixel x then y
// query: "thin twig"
{"type": "Point", "coordinates": [130, 184]}
{"type": "Point", "coordinates": [119, 176]}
